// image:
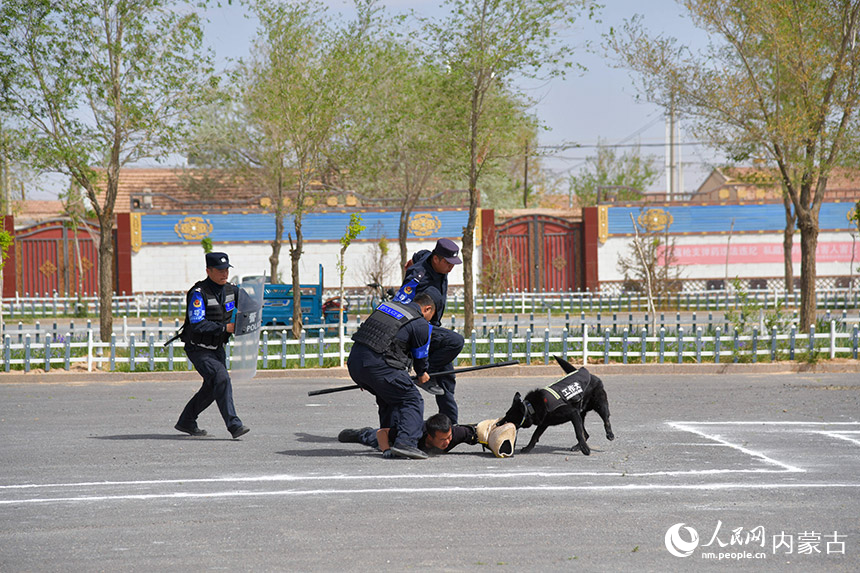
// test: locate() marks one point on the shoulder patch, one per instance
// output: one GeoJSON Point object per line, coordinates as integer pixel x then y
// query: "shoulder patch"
{"type": "Point", "coordinates": [197, 308]}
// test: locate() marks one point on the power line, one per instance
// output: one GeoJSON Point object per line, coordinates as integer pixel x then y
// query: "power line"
{"type": "Point", "coordinates": [566, 146]}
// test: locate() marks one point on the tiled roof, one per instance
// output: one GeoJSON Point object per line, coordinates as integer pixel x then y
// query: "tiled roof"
{"type": "Point", "coordinates": [179, 189]}
{"type": "Point", "coordinates": [752, 184]}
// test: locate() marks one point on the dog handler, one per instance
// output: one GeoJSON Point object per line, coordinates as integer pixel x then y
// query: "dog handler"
{"type": "Point", "coordinates": [395, 337]}
{"type": "Point", "coordinates": [210, 306]}
{"type": "Point", "coordinates": [428, 272]}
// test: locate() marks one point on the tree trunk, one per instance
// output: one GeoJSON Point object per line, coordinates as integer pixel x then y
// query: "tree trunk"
{"type": "Point", "coordinates": [808, 223]}
{"type": "Point", "coordinates": [469, 231]}
{"type": "Point", "coordinates": [295, 258]}
{"type": "Point", "coordinates": [402, 233]}
{"type": "Point", "coordinates": [106, 274]}
{"type": "Point", "coordinates": [275, 257]}
{"type": "Point", "coordinates": [788, 244]}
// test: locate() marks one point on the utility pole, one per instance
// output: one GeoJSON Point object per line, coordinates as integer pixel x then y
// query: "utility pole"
{"type": "Point", "coordinates": [674, 171]}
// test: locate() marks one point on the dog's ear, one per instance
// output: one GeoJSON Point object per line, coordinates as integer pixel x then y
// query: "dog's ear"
{"type": "Point", "coordinates": [565, 365]}
{"type": "Point", "coordinates": [517, 398]}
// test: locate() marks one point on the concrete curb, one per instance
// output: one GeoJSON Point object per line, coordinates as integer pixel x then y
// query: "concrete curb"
{"type": "Point", "coordinates": [828, 367]}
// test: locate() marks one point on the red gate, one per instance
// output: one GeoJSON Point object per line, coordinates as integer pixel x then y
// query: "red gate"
{"type": "Point", "coordinates": [49, 259]}
{"type": "Point", "coordinates": [547, 250]}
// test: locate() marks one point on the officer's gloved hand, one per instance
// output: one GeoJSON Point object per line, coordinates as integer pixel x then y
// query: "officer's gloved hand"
{"type": "Point", "coordinates": [388, 454]}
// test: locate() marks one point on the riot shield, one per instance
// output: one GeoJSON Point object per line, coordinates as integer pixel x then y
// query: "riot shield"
{"type": "Point", "coordinates": [246, 341]}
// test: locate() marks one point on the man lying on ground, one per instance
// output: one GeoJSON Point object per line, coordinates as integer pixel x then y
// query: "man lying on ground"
{"type": "Point", "coordinates": [439, 436]}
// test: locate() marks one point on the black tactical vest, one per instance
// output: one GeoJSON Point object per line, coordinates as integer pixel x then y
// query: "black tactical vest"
{"type": "Point", "coordinates": [215, 312]}
{"type": "Point", "coordinates": [380, 329]}
{"type": "Point", "coordinates": [568, 390]}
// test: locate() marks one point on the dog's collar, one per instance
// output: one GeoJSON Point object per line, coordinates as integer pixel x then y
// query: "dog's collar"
{"type": "Point", "coordinates": [530, 411]}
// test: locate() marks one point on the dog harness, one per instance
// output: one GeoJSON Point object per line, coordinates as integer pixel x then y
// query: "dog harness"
{"type": "Point", "coordinates": [567, 391]}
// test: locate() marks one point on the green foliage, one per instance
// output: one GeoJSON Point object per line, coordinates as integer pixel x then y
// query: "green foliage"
{"type": "Point", "coordinates": [92, 86]}
{"type": "Point", "coordinates": [483, 46]}
{"type": "Point", "coordinates": [6, 242]}
{"type": "Point", "coordinates": [623, 176]}
{"type": "Point", "coordinates": [748, 312]}
{"type": "Point", "coordinates": [206, 243]}
{"type": "Point", "coordinates": [778, 82]}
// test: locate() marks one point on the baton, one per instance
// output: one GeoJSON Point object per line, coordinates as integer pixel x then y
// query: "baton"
{"type": "Point", "coordinates": [432, 374]}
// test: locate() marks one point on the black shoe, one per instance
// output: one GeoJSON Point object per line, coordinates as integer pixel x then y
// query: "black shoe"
{"type": "Point", "coordinates": [351, 435]}
{"type": "Point", "coordinates": [431, 388]}
{"type": "Point", "coordinates": [240, 431]}
{"type": "Point", "coordinates": [190, 431]}
{"type": "Point", "coordinates": [409, 452]}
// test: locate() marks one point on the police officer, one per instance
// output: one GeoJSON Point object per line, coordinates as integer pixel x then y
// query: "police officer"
{"type": "Point", "coordinates": [394, 337]}
{"type": "Point", "coordinates": [207, 328]}
{"type": "Point", "coordinates": [428, 272]}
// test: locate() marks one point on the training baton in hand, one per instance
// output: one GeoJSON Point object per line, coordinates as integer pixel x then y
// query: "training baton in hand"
{"type": "Point", "coordinates": [432, 374]}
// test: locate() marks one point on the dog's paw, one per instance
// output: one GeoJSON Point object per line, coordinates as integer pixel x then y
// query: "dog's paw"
{"type": "Point", "coordinates": [610, 436]}
{"type": "Point", "coordinates": [586, 451]}
{"type": "Point", "coordinates": [526, 449]}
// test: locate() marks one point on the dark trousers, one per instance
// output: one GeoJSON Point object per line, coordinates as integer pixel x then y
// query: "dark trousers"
{"type": "Point", "coordinates": [445, 346]}
{"type": "Point", "coordinates": [398, 400]}
{"type": "Point", "coordinates": [212, 365]}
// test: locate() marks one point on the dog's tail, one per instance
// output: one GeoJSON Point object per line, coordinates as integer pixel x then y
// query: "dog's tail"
{"type": "Point", "coordinates": [565, 365]}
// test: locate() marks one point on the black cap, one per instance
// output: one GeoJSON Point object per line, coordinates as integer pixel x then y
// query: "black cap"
{"type": "Point", "coordinates": [447, 249]}
{"type": "Point", "coordinates": [217, 261]}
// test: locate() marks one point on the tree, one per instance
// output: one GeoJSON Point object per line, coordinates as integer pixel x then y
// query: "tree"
{"type": "Point", "coordinates": [6, 241]}
{"type": "Point", "coordinates": [485, 45]}
{"type": "Point", "coordinates": [394, 150]}
{"type": "Point", "coordinates": [299, 85]}
{"type": "Point", "coordinates": [651, 264]}
{"type": "Point", "coordinates": [96, 85]}
{"type": "Point", "coordinates": [626, 176]}
{"type": "Point", "coordinates": [353, 230]}
{"type": "Point", "coordinates": [779, 81]}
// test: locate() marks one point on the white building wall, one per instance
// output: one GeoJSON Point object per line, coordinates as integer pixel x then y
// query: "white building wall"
{"type": "Point", "coordinates": [168, 268]}
{"type": "Point", "coordinates": [616, 247]}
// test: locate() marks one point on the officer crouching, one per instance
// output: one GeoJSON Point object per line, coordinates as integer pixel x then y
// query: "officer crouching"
{"type": "Point", "coordinates": [208, 326]}
{"type": "Point", "coordinates": [395, 337]}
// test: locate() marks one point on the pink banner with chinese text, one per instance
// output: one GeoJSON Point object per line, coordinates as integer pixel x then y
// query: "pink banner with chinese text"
{"type": "Point", "coordinates": [760, 253]}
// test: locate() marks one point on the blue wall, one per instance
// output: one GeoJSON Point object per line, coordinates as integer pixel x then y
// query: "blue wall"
{"type": "Point", "coordinates": [753, 218]}
{"type": "Point", "coordinates": [260, 227]}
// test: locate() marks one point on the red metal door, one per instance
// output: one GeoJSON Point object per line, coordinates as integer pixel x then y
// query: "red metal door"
{"type": "Point", "coordinates": [546, 251]}
{"type": "Point", "coordinates": [51, 260]}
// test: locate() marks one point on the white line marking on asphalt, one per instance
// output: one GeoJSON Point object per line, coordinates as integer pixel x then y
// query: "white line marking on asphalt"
{"type": "Point", "coordinates": [687, 427]}
{"type": "Point", "coordinates": [439, 490]}
{"type": "Point", "coordinates": [842, 436]}
{"type": "Point", "coordinates": [344, 477]}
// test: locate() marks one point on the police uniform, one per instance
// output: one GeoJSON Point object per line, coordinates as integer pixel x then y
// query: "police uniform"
{"type": "Point", "coordinates": [209, 308]}
{"type": "Point", "coordinates": [445, 344]}
{"type": "Point", "coordinates": [394, 337]}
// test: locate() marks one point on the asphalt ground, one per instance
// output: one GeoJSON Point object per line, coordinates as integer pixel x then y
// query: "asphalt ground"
{"type": "Point", "coordinates": [93, 477]}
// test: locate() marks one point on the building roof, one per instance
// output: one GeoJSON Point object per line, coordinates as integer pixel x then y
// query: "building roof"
{"type": "Point", "coordinates": [754, 184]}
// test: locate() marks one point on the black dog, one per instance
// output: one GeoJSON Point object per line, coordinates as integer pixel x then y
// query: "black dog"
{"type": "Point", "coordinates": [567, 400]}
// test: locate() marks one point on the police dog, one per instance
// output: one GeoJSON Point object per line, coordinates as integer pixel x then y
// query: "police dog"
{"type": "Point", "coordinates": [567, 400]}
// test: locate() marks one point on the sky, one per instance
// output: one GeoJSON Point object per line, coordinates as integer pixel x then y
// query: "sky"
{"type": "Point", "coordinates": [598, 105]}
